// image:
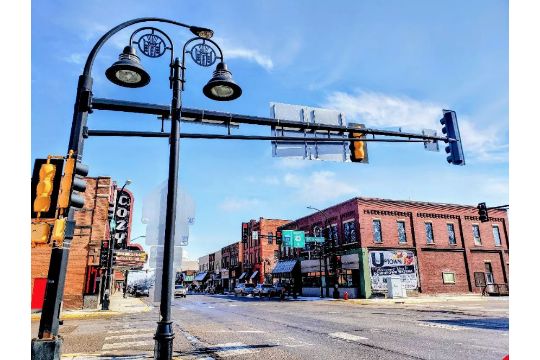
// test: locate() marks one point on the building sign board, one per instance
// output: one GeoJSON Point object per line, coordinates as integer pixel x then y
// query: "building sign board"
{"type": "Point", "coordinates": [393, 262]}
{"type": "Point", "coordinates": [122, 218]}
{"type": "Point", "coordinates": [129, 259]}
{"type": "Point", "coordinates": [294, 239]}
{"type": "Point", "coordinates": [287, 236]}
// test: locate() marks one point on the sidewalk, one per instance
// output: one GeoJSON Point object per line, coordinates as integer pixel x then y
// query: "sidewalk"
{"type": "Point", "coordinates": [117, 306]}
{"type": "Point", "coordinates": [423, 299]}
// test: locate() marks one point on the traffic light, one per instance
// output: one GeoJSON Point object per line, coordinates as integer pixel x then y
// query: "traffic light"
{"type": "Point", "coordinates": [483, 212]}
{"type": "Point", "coordinates": [358, 148]}
{"type": "Point", "coordinates": [40, 233]}
{"type": "Point", "coordinates": [279, 238]}
{"type": "Point", "coordinates": [72, 183]}
{"type": "Point", "coordinates": [46, 179]}
{"type": "Point", "coordinates": [451, 130]}
{"type": "Point", "coordinates": [58, 231]}
{"type": "Point", "coordinates": [244, 232]}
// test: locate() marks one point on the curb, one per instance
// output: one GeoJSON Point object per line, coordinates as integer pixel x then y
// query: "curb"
{"type": "Point", "coordinates": [93, 314]}
{"type": "Point", "coordinates": [414, 300]}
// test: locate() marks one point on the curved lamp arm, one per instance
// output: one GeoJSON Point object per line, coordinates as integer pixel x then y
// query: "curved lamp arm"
{"type": "Point", "coordinates": [110, 33]}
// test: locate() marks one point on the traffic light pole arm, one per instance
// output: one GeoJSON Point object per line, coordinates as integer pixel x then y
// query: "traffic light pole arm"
{"type": "Point", "coordinates": [498, 207]}
{"type": "Point", "coordinates": [228, 118]}
{"type": "Point", "coordinates": [234, 137]}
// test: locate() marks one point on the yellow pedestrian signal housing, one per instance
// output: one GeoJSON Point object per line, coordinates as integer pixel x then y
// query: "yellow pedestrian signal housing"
{"type": "Point", "coordinates": [45, 184]}
{"type": "Point", "coordinates": [40, 233]}
{"type": "Point", "coordinates": [72, 183]}
{"type": "Point", "coordinates": [358, 148]}
{"type": "Point", "coordinates": [58, 232]}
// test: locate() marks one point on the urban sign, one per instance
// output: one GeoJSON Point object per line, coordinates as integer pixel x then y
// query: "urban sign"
{"type": "Point", "coordinates": [393, 262]}
{"type": "Point", "coordinates": [294, 239]}
{"type": "Point", "coordinates": [129, 259]}
{"type": "Point", "coordinates": [316, 239]}
{"type": "Point", "coordinates": [122, 218]}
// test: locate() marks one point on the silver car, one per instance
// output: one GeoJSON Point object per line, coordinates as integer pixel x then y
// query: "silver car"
{"type": "Point", "coordinates": [180, 290]}
{"type": "Point", "coordinates": [244, 289]}
{"type": "Point", "coordinates": [264, 290]}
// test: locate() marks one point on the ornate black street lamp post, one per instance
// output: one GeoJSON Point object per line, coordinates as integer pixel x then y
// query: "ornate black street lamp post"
{"type": "Point", "coordinates": [128, 72]}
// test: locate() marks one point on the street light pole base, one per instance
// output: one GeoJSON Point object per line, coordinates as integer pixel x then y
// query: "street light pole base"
{"type": "Point", "coordinates": [164, 336]}
{"type": "Point", "coordinates": [47, 349]}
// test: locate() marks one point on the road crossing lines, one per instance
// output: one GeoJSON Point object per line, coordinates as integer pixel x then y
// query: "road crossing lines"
{"type": "Point", "coordinates": [129, 338]}
{"type": "Point", "coordinates": [347, 336]}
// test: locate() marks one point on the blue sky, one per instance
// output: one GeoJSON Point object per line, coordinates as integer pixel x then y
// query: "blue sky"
{"type": "Point", "coordinates": [388, 65]}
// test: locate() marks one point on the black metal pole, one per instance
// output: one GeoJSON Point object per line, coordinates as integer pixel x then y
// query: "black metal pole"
{"type": "Point", "coordinates": [164, 334]}
{"type": "Point", "coordinates": [48, 345]}
{"type": "Point", "coordinates": [109, 272]}
{"type": "Point", "coordinates": [320, 270]}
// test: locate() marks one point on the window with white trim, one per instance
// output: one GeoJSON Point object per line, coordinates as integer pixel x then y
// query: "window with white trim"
{"type": "Point", "coordinates": [377, 232]}
{"type": "Point", "coordinates": [429, 233]}
{"type": "Point", "coordinates": [496, 235]}
{"type": "Point", "coordinates": [476, 235]}
{"type": "Point", "coordinates": [451, 234]}
{"type": "Point", "coordinates": [402, 234]}
{"type": "Point", "coordinates": [349, 232]}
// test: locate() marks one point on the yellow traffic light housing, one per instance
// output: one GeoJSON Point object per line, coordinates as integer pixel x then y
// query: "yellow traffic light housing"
{"type": "Point", "coordinates": [358, 148]}
{"type": "Point", "coordinates": [45, 184]}
{"type": "Point", "coordinates": [40, 233]}
{"type": "Point", "coordinates": [72, 183]}
{"type": "Point", "coordinates": [58, 232]}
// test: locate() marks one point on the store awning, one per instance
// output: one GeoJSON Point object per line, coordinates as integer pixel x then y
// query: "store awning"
{"type": "Point", "coordinates": [284, 267]}
{"type": "Point", "coordinates": [242, 276]}
{"type": "Point", "coordinates": [254, 274]}
{"type": "Point", "coordinates": [200, 276]}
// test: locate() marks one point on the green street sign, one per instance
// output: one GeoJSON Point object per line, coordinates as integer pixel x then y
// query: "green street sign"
{"type": "Point", "coordinates": [299, 239]}
{"type": "Point", "coordinates": [316, 239]}
{"type": "Point", "coordinates": [287, 236]}
{"type": "Point", "coordinates": [112, 225]}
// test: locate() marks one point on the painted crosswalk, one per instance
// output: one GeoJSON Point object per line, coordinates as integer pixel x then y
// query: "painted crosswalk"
{"type": "Point", "coordinates": [128, 336]}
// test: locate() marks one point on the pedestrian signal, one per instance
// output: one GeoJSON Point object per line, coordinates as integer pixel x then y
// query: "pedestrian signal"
{"type": "Point", "coordinates": [46, 179]}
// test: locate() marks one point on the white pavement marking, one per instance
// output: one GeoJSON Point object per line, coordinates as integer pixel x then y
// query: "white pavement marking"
{"type": "Point", "coordinates": [130, 330]}
{"type": "Point", "coordinates": [130, 344]}
{"type": "Point", "coordinates": [129, 336]}
{"type": "Point", "coordinates": [233, 305]}
{"type": "Point", "coordinates": [233, 349]}
{"type": "Point", "coordinates": [441, 326]}
{"type": "Point", "coordinates": [211, 307]}
{"type": "Point", "coordinates": [346, 336]}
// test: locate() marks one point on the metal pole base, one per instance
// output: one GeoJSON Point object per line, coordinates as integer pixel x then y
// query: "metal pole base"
{"type": "Point", "coordinates": [164, 341]}
{"type": "Point", "coordinates": [47, 349]}
{"type": "Point", "coordinates": [336, 294]}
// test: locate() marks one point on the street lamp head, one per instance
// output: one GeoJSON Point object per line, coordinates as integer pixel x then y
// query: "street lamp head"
{"type": "Point", "coordinates": [128, 71]}
{"type": "Point", "coordinates": [201, 32]}
{"type": "Point", "coordinates": [128, 181]}
{"type": "Point", "coordinates": [221, 86]}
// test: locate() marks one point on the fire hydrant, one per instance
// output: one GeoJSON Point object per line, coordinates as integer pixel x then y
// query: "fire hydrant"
{"type": "Point", "coordinates": [346, 296]}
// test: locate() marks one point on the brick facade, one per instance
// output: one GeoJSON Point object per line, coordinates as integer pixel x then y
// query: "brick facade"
{"type": "Point", "coordinates": [259, 254]}
{"type": "Point", "coordinates": [462, 256]}
{"type": "Point", "coordinates": [91, 229]}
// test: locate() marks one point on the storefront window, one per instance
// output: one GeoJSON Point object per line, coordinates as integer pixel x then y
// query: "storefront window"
{"type": "Point", "coordinates": [270, 237]}
{"type": "Point", "coordinates": [312, 279]}
{"type": "Point", "coordinates": [402, 235]}
{"type": "Point", "coordinates": [349, 278]}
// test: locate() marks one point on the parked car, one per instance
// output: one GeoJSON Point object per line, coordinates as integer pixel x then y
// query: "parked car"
{"type": "Point", "coordinates": [141, 291]}
{"type": "Point", "coordinates": [263, 290]}
{"type": "Point", "coordinates": [180, 290]}
{"type": "Point", "coordinates": [244, 289]}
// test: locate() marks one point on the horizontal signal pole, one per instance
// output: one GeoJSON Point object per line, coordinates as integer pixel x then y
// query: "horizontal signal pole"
{"type": "Point", "coordinates": [229, 119]}
{"type": "Point", "coordinates": [235, 137]}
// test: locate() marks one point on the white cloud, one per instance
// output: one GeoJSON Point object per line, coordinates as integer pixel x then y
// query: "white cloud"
{"type": "Point", "coordinates": [319, 186]}
{"type": "Point", "coordinates": [250, 55]}
{"type": "Point", "coordinates": [235, 204]}
{"type": "Point", "coordinates": [76, 58]}
{"type": "Point", "coordinates": [292, 163]}
{"type": "Point", "coordinates": [482, 143]}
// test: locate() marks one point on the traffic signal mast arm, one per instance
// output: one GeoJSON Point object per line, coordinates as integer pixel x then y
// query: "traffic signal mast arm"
{"type": "Point", "coordinates": [229, 119]}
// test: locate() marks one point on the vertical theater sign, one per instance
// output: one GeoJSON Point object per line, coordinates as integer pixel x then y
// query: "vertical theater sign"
{"type": "Point", "coordinates": [122, 218]}
{"type": "Point", "coordinates": [393, 262]}
{"type": "Point", "coordinates": [126, 256]}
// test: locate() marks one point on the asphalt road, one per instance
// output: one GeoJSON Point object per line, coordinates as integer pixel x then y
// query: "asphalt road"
{"type": "Point", "coordinates": [219, 327]}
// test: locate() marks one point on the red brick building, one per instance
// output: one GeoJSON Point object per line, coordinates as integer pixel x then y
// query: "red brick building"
{"type": "Point", "coordinates": [260, 252]}
{"type": "Point", "coordinates": [232, 257]}
{"type": "Point", "coordinates": [435, 248]}
{"type": "Point", "coordinates": [82, 286]}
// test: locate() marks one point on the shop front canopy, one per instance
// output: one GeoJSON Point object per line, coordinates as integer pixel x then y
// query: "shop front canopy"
{"type": "Point", "coordinates": [254, 275]}
{"type": "Point", "coordinates": [284, 267]}
{"type": "Point", "coordinates": [200, 276]}
{"type": "Point", "coordinates": [242, 276]}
